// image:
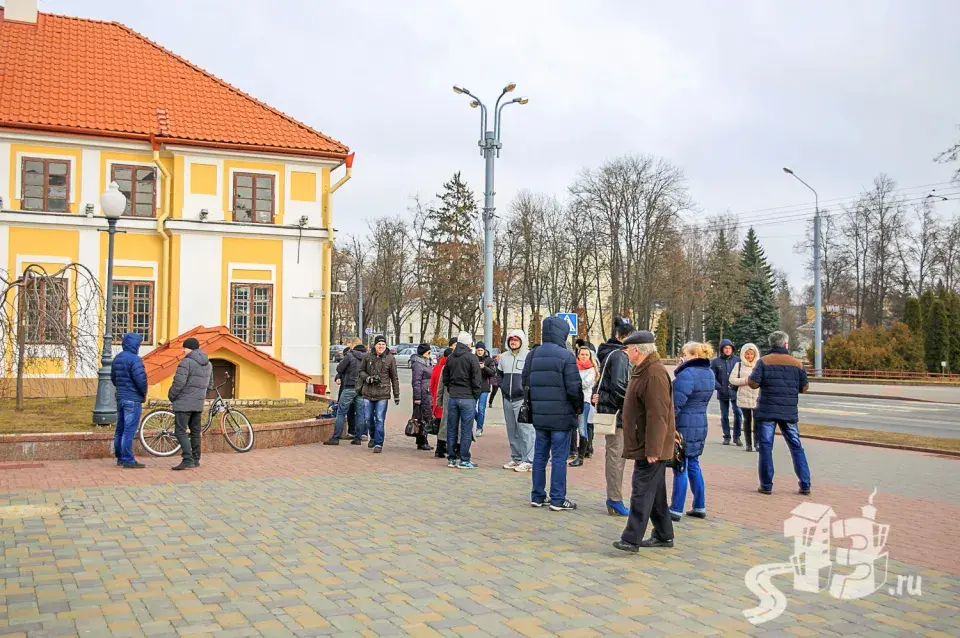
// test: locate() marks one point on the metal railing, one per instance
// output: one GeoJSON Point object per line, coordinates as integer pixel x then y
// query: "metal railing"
{"type": "Point", "coordinates": [887, 375]}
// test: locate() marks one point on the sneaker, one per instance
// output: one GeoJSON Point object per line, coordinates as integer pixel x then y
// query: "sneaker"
{"type": "Point", "coordinates": [479, 432]}
{"type": "Point", "coordinates": [377, 449]}
{"type": "Point", "coordinates": [764, 491]}
{"type": "Point", "coordinates": [356, 442]}
{"type": "Point", "coordinates": [696, 514]}
{"type": "Point", "coordinates": [749, 448]}
{"type": "Point", "coordinates": [467, 465]}
{"type": "Point", "coordinates": [537, 503]}
{"type": "Point", "coordinates": [512, 465]}
{"type": "Point", "coordinates": [364, 437]}
{"type": "Point", "coordinates": [133, 466]}
{"type": "Point", "coordinates": [804, 491]}
{"type": "Point", "coordinates": [675, 517]}
{"type": "Point", "coordinates": [653, 541]}
{"type": "Point", "coordinates": [726, 441]}
{"type": "Point", "coordinates": [577, 462]}
{"type": "Point", "coordinates": [738, 442]}
{"type": "Point", "coordinates": [119, 462]}
{"type": "Point", "coordinates": [452, 463]}
{"type": "Point", "coordinates": [370, 443]}
{"type": "Point", "coordinates": [624, 546]}
{"type": "Point", "coordinates": [184, 465]}
{"type": "Point", "coordinates": [566, 506]}
{"type": "Point", "coordinates": [524, 467]}
{"type": "Point", "coordinates": [332, 442]}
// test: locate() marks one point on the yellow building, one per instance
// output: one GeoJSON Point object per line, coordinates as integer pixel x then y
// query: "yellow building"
{"type": "Point", "coordinates": [229, 200]}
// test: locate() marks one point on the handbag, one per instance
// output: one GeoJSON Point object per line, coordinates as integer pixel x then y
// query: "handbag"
{"type": "Point", "coordinates": [679, 460]}
{"type": "Point", "coordinates": [414, 427]}
{"type": "Point", "coordinates": [526, 408]}
{"type": "Point", "coordinates": [433, 427]}
{"type": "Point", "coordinates": [605, 423]}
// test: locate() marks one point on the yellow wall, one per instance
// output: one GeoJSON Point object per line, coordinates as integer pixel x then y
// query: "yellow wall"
{"type": "Point", "coordinates": [43, 365]}
{"type": "Point", "coordinates": [296, 391]}
{"type": "Point", "coordinates": [254, 251]}
{"type": "Point", "coordinates": [303, 186]}
{"type": "Point", "coordinates": [251, 382]}
{"type": "Point", "coordinates": [76, 170]}
{"type": "Point", "coordinates": [203, 179]}
{"type": "Point", "coordinates": [253, 167]}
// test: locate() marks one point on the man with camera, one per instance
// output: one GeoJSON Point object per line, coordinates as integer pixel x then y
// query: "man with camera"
{"type": "Point", "coordinates": [376, 377]}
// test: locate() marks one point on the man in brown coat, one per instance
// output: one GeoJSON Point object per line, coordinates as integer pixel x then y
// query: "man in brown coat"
{"type": "Point", "coordinates": [648, 434]}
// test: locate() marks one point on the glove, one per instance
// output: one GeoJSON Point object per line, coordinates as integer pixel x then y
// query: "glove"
{"type": "Point", "coordinates": [396, 400]}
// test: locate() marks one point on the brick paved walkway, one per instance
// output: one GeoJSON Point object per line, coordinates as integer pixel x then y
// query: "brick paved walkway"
{"type": "Point", "coordinates": [316, 540]}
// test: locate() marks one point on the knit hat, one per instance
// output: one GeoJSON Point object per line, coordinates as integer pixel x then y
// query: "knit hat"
{"type": "Point", "coordinates": [465, 338]}
{"type": "Point", "coordinates": [191, 344]}
{"type": "Point", "coordinates": [448, 352]}
{"type": "Point", "coordinates": [379, 339]}
{"type": "Point", "coordinates": [423, 349]}
{"type": "Point", "coordinates": [452, 342]}
{"type": "Point", "coordinates": [480, 344]}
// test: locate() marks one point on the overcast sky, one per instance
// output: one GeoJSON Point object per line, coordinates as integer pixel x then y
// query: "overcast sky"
{"type": "Point", "coordinates": [729, 91]}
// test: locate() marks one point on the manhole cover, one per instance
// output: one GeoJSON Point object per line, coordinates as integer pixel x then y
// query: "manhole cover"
{"type": "Point", "coordinates": [27, 511]}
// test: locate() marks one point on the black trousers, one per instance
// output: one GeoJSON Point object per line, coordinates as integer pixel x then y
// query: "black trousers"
{"type": "Point", "coordinates": [748, 424]}
{"type": "Point", "coordinates": [189, 444]}
{"type": "Point", "coordinates": [648, 503]}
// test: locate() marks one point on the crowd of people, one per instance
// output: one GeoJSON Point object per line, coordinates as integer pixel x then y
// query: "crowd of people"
{"type": "Point", "coordinates": [555, 399]}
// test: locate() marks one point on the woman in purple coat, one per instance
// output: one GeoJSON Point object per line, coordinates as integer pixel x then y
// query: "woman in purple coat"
{"type": "Point", "coordinates": [422, 368]}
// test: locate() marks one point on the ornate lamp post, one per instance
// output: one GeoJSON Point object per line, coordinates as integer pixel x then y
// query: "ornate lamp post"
{"type": "Point", "coordinates": [112, 203]}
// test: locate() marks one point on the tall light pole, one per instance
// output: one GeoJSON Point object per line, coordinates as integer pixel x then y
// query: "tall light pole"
{"type": "Point", "coordinates": [113, 203]}
{"type": "Point", "coordinates": [817, 293]}
{"type": "Point", "coordinates": [490, 149]}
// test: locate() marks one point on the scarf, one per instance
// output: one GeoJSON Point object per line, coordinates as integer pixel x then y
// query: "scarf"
{"type": "Point", "coordinates": [584, 365]}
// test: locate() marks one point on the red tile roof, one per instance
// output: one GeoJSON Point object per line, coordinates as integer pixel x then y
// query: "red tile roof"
{"type": "Point", "coordinates": [102, 78]}
{"type": "Point", "coordinates": [162, 362]}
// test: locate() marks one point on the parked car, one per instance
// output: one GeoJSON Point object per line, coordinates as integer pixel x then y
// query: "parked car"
{"type": "Point", "coordinates": [400, 347]}
{"type": "Point", "coordinates": [404, 356]}
{"type": "Point", "coordinates": [336, 353]}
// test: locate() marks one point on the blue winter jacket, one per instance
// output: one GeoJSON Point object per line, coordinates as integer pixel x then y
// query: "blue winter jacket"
{"type": "Point", "coordinates": [127, 373]}
{"type": "Point", "coordinates": [780, 378]}
{"type": "Point", "coordinates": [692, 390]}
{"type": "Point", "coordinates": [722, 367]}
{"type": "Point", "coordinates": [550, 371]}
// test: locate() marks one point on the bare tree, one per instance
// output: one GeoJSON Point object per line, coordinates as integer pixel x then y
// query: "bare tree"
{"type": "Point", "coordinates": [919, 249]}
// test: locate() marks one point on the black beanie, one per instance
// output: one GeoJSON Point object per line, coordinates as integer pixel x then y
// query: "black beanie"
{"type": "Point", "coordinates": [453, 342]}
{"type": "Point", "coordinates": [379, 339]}
{"type": "Point", "coordinates": [448, 352]}
{"type": "Point", "coordinates": [423, 349]}
{"type": "Point", "coordinates": [191, 344]}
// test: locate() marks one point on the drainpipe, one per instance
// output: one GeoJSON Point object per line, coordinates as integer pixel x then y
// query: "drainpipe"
{"type": "Point", "coordinates": [165, 206]}
{"type": "Point", "coordinates": [327, 276]}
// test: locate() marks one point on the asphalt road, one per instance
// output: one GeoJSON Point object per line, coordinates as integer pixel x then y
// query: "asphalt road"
{"type": "Point", "coordinates": [911, 417]}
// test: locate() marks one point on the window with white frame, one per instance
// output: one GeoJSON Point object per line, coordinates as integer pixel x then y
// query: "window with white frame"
{"type": "Point", "coordinates": [133, 310]}
{"type": "Point", "coordinates": [251, 313]}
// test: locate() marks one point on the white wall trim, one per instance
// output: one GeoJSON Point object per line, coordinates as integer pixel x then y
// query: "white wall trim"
{"type": "Point", "coordinates": [245, 155]}
{"type": "Point", "coordinates": [241, 229]}
{"type": "Point", "coordinates": [20, 136]}
{"type": "Point", "coordinates": [72, 221]}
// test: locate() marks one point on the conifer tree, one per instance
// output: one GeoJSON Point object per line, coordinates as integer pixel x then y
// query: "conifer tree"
{"type": "Point", "coordinates": [937, 336]}
{"type": "Point", "coordinates": [725, 298]}
{"type": "Point", "coordinates": [663, 328]}
{"type": "Point", "coordinates": [759, 316]}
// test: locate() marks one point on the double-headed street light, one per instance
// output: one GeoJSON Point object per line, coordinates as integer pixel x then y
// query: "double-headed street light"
{"type": "Point", "coordinates": [490, 149]}
{"type": "Point", "coordinates": [113, 203]}
{"type": "Point", "coordinates": [817, 294]}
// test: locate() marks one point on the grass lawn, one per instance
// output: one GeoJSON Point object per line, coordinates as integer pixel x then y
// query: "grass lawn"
{"type": "Point", "coordinates": [75, 414]}
{"type": "Point", "coordinates": [876, 436]}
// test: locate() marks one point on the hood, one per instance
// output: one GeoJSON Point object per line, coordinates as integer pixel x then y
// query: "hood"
{"type": "Point", "coordinates": [723, 344]}
{"type": "Point", "coordinates": [691, 363]}
{"type": "Point", "coordinates": [522, 336]}
{"type": "Point", "coordinates": [199, 356]}
{"type": "Point", "coordinates": [555, 330]}
{"type": "Point", "coordinates": [756, 353]}
{"type": "Point", "coordinates": [131, 342]}
{"type": "Point", "coordinates": [358, 353]}
{"type": "Point", "coordinates": [460, 350]}
{"type": "Point", "coordinates": [608, 346]}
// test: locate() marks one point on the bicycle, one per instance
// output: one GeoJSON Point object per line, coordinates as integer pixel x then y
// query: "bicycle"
{"type": "Point", "coordinates": [157, 428]}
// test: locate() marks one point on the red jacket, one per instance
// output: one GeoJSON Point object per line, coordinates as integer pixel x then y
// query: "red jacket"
{"type": "Point", "coordinates": [435, 386]}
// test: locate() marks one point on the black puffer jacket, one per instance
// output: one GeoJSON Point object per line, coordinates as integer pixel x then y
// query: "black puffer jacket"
{"type": "Point", "coordinates": [615, 371]}
{"type": "Point", "coordinates": [488, 372]}
{"type": "Point", "coordinates": [348, 368]}
{"type": "Point", "coordinates": [461, 376]}
{"type": "Point", "coordinates": [378, 367]}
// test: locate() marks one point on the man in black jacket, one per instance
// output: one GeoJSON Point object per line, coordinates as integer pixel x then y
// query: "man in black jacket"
{"type": "Point", "coordinates": [608, 396]}
{"type": "Point", "coordinates": [461, 378]}
{"type": "Point", "coordinates": [347, 371]}
{"type": "Point", "coordinates": [488, 372]}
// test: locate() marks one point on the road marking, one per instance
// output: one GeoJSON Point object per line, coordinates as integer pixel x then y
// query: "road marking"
{"type": "Point", "coordinates": [834, 412]}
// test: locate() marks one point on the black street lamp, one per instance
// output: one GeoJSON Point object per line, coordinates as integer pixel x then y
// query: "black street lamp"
{"type": "Point", "coordinates": [112, 203]}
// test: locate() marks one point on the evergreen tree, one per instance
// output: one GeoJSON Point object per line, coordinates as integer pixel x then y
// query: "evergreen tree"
{"type": "Point", "coordinates": [937, 336]}
{"type": "Point", "coordinates": [912, 316]}
{"type": "Point", "coordinates": [954, 333]}
{"type": "Point", "coordinates": [725, 298]}
{"type": "Point", "coordinates": [759, 316]}
{"type": "Point", "coordinates": [663, 328]}
{"type": "Point", "coordinates": [455, 266]}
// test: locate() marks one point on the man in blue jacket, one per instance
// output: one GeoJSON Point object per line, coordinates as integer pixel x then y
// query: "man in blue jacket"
{"type": "Point", "coordinates": [556, 399]}
{"type": "Point", "coordinates": [130, 380]}
{"type": "Point", "coordinates": [781, 379]}
{"type": "Point", "coordinates": [722, 366]}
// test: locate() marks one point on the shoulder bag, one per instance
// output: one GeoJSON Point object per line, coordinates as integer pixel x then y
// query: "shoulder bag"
{"type": "Point", "coordinates": [604, 423]}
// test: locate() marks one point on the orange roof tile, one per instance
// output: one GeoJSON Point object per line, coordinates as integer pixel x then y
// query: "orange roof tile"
{"type": "Point", "coordinates": [162, 362]}
{"type": "Point", "coordinates": [102, 78]}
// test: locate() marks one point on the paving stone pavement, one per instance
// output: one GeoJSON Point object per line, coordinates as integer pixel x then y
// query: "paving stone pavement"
{"type": "Point", "coordinates": [317, 540]}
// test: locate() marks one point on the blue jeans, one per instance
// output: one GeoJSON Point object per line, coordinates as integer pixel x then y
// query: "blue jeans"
{"type": "Point", "coordinates": [460, 415]}
{"type": "Point", "coordinates": [725, 405]}
{"type": "Point", "coordinates": [482, 410]}
{"type": "Point", "coordinates": [362, 419]}
{"type": "Point", "coordinates": [791, 434]}
{"type": "Point", "coordinates": [376, 414]}
{"type": "Point", "coordinates": [348, 402]}
{"type": "Point", "coordinates": [556, 445]}
{"type": "Point", "coordinates": [694, 476]}
{"type": "Point", "coordinates": [584, 426]}
{"type": "Point", "coordinates": [128, 420]}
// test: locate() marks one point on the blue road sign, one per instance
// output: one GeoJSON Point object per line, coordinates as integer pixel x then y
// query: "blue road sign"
{"type": "Point", "coordinates": [369, 331]}
{"type": "Point", "coordinates": [572, 319]}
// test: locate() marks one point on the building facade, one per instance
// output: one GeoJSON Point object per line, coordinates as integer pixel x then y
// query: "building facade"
{"type": "Point", "coordinates": [228, 221]}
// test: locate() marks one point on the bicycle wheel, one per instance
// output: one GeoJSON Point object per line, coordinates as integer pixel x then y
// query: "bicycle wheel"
{"type": "Point", "coordinates": [237, 430]}
{"type": "Point", "coordinates": [157, 433]}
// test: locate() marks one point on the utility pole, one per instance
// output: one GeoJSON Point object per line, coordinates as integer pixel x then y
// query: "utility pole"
{"type": "Point", "coordinates": [817, 292]}
{"type": "Point", "coordinates": [490, 149]}
{"type": "Point", "coordinates": [360, 332]}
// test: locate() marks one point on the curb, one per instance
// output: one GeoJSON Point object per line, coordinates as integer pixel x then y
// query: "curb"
{"type": "Point", "coordinates": [889, 446]}
{"type": "Point", "coordinates": [881, 397]}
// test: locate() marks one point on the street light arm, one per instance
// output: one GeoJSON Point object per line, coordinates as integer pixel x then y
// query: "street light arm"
{"type": "Point", "coordinates": [483, 111]}
{"type": "Point", "coordinates": [816, 197]}
{"type": "Point", "coordinates": [496, 134]}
